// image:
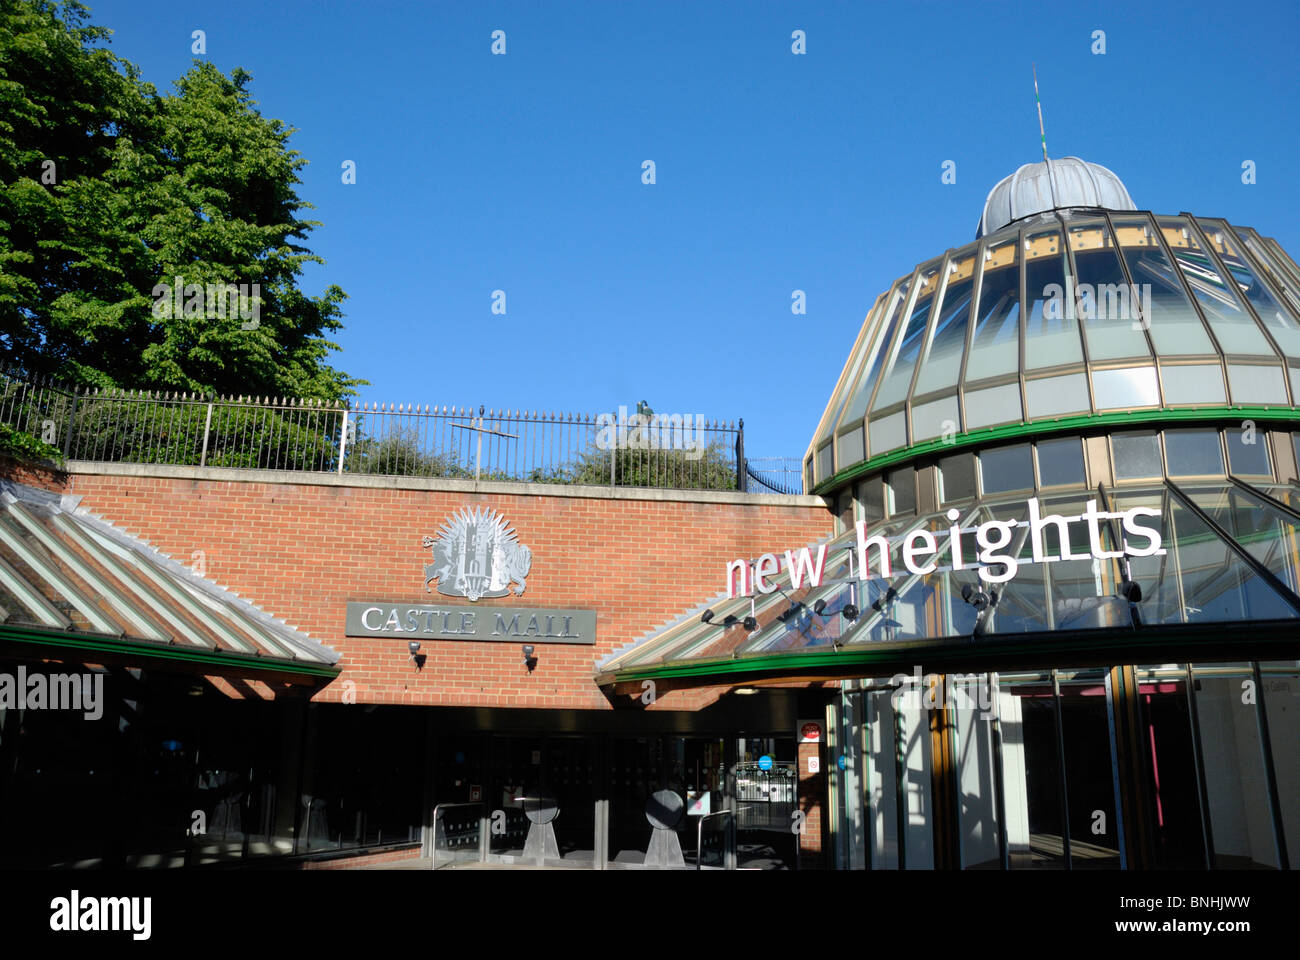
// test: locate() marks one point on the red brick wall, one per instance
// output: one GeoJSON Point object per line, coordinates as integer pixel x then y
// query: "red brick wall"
{"type": "Point", "coordinates": [302, 550]}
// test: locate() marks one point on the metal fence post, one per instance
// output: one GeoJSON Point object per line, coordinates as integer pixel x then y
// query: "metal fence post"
{"type": "Point", "coordinates": [742, 480]}
{"type": "Point", "coordinates": [72, 418]}
{"type": "Point", "coordinates": [207, 428]}
{"type": "Point", "coordinates": [343, 439]}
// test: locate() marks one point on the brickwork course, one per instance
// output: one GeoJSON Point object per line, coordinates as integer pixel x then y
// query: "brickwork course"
{"type": "Point", "coordinates": [301, 548]}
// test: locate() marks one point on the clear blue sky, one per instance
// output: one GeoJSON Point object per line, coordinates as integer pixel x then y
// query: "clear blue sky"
{"type": "Point", "coordinates": [775, 172]}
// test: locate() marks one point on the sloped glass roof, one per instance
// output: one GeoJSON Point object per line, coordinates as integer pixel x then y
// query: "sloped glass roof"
{"type": "Point", "coordinates": [68, 578]}
{"type": "Point", "coordinates": [1067, 314]}
{"type": "Point", "coordinates": [1232, 555]}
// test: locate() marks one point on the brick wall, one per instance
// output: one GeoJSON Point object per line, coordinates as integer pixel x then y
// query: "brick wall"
{"type": "Point", "coordinates": [303, 549]}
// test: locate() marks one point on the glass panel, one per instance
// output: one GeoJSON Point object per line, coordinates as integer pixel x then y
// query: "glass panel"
{"type": "Point", "coordinates": [1282, 278]}
{"type": "Point", "coordinates": [1110, 317]}
{"type": "Point", "coordinates": [1193, 383]}
{"type": "Point", "coordinates": [882, 780]}
{"type": "Point", "coordinates": [872, 494]}
{"type": "Point", "coordinates": [850, 448]}
{"type": "Point", "coordinates": [888, 433]}
{"type": "Point", "coordinates": [825, 462]}
{"type": "Point", "coordinates": [1282, 705]}
{"type": "Point", "coordinates": [898, 375]}
{"type": "Point", "coordinates": [1193, 453]}
{"type": "Point", "coordinates": [1251, 383]}
{"type": "Point", "coordinates": [1267, 534]}
{"type": "Point", "coordinates": [1235, 330]}
{"type": "Point", "coordinates": [941, 365]}
{"type": "Point", "coordinates": [995, 349]}
{"type": "Point", "coordinates": [992, 405]}
{"type": "Point", "coordinates": [1061, 462]}
{"type": "Point", "coordinates": [857, 408]}
{"type": "Point", "coordinates": [1248, 452]}
{"type": "Point", "coordinates": [976, 774]}
{"type": "Point", "coordinates": [1175, 793]}
{"type": "Point", "coordinates": [934, 419]}
{"type": "Point", "coordinates": [1240, 819]}
{"type": "Point", "coordinates": [1136, 456]}
{"type": "Point", "coordinates": [1032, 778]}
{"type": "Point", "coordinates": [1057, 395]}
{"type": "Point", "coordinates": [902, 491]}
{"type": "Point", "coordinates": [853, 367]}
{"type": "Point", "coordinates": [1173, 323]}
{"type": "Point", "coordinates": [1007, 468]}
{"type": "Point", "coordinates": [957, 477]}
{"type": "Point", "coordinates": [1051, 331]}
{"type": "Point", "coordinates": [1279, 321]}
{"type": "Point", "coordinates": [1125, 387]}
{"type": "Point", "coordinates": [1089, 784]}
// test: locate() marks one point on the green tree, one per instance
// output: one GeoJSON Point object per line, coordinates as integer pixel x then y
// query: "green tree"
{"type": "Point", "coordinates": [144, 188]}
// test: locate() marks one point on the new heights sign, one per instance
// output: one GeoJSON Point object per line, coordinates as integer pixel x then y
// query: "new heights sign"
{"type": "Point", "coordinates": [984, 547]}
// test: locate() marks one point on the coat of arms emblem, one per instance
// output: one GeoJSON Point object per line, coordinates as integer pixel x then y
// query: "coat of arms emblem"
{"type": "Point", "coordinates": [476, 554]}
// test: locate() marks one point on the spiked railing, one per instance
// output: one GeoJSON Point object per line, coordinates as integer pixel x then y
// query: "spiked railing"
{"type": "Point", "coordinates": [269, 433]}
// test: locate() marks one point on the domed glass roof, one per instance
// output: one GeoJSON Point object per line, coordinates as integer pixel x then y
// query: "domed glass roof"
{"type": "Point", "coordinates": [1060, 320]}
{"type": "Point", "coordinates": [1052, 185]}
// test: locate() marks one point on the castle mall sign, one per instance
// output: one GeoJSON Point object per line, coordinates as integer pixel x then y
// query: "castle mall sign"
{"type": "Point", "coordinates": [476, 555]}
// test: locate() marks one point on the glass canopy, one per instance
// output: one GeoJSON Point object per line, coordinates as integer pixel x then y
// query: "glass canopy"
{"type": "Point", "coordinates": [1069, 313]}
{"type": "Point", "coordinates": [1231, 555]}
{"type": "Point", "coordinates": [68, 579]}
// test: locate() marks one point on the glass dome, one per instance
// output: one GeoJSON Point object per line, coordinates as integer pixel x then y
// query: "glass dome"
{"type": "Point", "coordinates": [1065, 317]}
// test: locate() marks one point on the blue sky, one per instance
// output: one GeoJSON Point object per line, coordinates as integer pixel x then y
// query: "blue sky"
{"type": "Point", "coordinates": [774, 172]}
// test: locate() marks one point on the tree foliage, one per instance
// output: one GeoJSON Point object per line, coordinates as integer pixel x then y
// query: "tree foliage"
{"type": "Point", "coordinates": [109, 188]}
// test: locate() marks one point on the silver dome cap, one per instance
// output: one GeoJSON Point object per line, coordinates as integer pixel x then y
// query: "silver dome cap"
{"type": "Point", "coordinates": [1052, 185]}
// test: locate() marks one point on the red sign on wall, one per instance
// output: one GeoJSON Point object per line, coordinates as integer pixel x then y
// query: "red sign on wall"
{"type": "Point", "coordinates": [810, 731]}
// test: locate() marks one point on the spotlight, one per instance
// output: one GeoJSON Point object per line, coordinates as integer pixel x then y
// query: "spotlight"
{"type": "Point", "coordinates": [751, 623]}
{"type": "Point", "coordinates": [706, 616]}
{"type": "Point", "coordinates": [416, 657]}
{"type": "Point", "coordinates": [878, 604]}
{"type": "Point", "coordinates": [850, 611]}
{"type": "Point", "coordinates": [530, 661]}
{"type": "Point", "coordinates": [819, 607]}
{"type": "Point", "coordinates": [413, 646]}
{"type": "Point", "coordinates": [1130, 591]}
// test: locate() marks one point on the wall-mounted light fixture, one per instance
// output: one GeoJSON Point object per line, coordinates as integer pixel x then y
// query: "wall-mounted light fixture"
{"type": "Point", "coordinates": [984, 604]}
{"type": "Point", "coordinates": [416, 656]}
{"type": "Point", "coordinates": [530, 661]}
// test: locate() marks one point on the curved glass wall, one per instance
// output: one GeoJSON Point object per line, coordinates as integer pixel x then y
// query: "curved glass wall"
{"type": "Point", "coordinates": [1067, 314]}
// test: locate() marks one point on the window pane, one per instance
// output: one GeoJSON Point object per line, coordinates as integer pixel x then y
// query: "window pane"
{"type": "Point", "coordinates": [857, 407]}
{"type": "Point", "coordinates": [1251, 383]}
{"type": "Point", "coordinates": [996, 347]}
{"type": "Point", "coordinates": [1174, 325]}
{"type": "Point", "coordinates": [1107, 312]}
{"type": "Point", "coordinates": [1007, 468]}
{"type": "Point", "coordinates": [1248, 451]}
{"type": "Point", "coordinates": [1056, 395]}
{"type": "Point", "coordinates": [992, 405]}
{"type": "Point", "coordinates": [887, 433]}
{"type": "Point", "coordinates": [872, 494]}
{"type": "Point", "coordinates": [1125, 387]}
{"type": "Point", "coordinates": [934, 419]}
{"type": "Point", "coordinates": [957, 477]}
{"type": "Point", "coordinates": [1235, 330]}
{"type": "Point", "coordinates": [1051, 330]}
{"type": "Point", "coordinates": [1193, 383]}
{"type": "Point", "coordinates": [898, 375]}
{"type": "Point", "coordinates": [902, 490]}
{"type": "Point", "coordinates": [941, 364]}
{"type": "Point", "coordinates": [854, 367]}
{"type": "Point", "coordinates": [1193, 453]}
{"type": "Point", "coordinates": [849, 447]}
{"type": "Point", "coordinates": [1136, 455]}
{"type": "Point", "coordinates": [1061, 461]}
{"type": "Point", "coordinates": [825, 464]}
{"type": "Point", "coordinates": [1281, 323]}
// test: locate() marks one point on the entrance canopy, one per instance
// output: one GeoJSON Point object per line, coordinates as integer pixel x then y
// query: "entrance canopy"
{"type": "Point", "coordinates": [74, 587]}
{"type": "Point", "coordinates": [1226, 586]}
